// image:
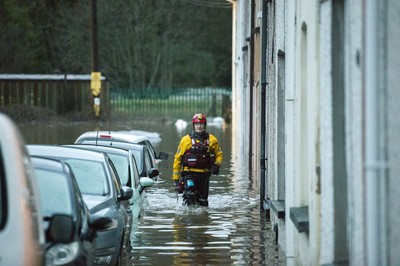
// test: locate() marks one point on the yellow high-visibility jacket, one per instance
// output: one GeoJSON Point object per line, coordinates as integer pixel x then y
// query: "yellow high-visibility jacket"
{"type": "Point", "coordinates": [186, 144]}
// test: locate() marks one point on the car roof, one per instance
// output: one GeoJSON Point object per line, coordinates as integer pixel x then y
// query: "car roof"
{"type": "Point", "coordinates": [64, 152]}
{"type": "Point", "coordinates": [49, 163]}
{"type": "Point", "coordinates": [116, 144]}
{"type": "Point", "coordinates": [106, 149]}
{"type": "Point", "coordinates": [153, 137]}
{"type": "Point", "coordinates": [111, 136]}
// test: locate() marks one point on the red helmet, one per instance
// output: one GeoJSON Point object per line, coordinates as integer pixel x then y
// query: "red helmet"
{"type": "Point", "coordinates": [199, 118]}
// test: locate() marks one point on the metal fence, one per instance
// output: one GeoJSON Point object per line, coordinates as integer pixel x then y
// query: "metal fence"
{"type": "Point", "coordinates": [71, 93]}
{"type": "Point", "coordinates": [59, 93]}
{"type": "Point", "coordinates": [172, 102]}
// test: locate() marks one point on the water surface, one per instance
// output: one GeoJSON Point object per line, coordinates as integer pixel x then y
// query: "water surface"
{"type": "Point", "coordinates": [231, 231]}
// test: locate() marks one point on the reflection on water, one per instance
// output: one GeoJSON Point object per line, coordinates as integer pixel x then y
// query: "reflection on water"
{"type": "Point", "coordinates": [230, 231]}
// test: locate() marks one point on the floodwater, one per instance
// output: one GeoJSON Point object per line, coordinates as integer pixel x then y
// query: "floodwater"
{"type": "Point", "coordinates": [231, 231]}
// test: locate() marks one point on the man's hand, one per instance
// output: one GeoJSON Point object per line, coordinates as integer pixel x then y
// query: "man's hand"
{"type": "Point", "coordinates": [178, 186]}
{"type": "Point", "coordinates": [215, 169]}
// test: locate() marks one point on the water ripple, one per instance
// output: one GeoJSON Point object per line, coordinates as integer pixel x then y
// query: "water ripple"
{"type": "Point", "coordinates": [229, 232]}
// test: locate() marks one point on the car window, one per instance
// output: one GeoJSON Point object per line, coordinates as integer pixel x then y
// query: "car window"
{"type": "Point", "coordinates": [151, 150]}
{"type": "Point", "coordinates": [139, 160]}
{"type": "Point", "coordinates": [90, 175]}
{"type": "Point", "coordinates": [78, 195]}
{"type": "Point", "coordinates": [121, 165]}
{"type": "Point", "coordinates": [3, 192]}
{"type": "Point", "coordinates": [53, 192]}
{"type": "Point", "coordinates": [115, 177]}
{"type": "Point", "coordinates": [135, 171]}
{"type": "Point", "coordinates": [148, 160]}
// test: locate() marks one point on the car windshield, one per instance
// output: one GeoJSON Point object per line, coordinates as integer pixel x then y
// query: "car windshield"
{"type": "Point", "coordinates": [90, 175]}
{"type": "Point", "coordinates": [53, 192]}
{"type": "Point", "coordinates": [121, 165]}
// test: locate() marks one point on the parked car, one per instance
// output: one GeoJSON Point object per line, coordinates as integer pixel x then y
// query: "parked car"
{"type": "Point", "coordinates": [21, 235]}
{"type": "Point", "coordinates": [125, 164]}
{"type": "Point", "coordinates": [123, 136]}
{"type": "Point", "coordinates": [62, 206]}
{"type": "Point", "coordinates": [153, 137]}
{"type": "Point", "coordinates": [144, 157]}
{"type": "Point", "coordinates": [103, 193]}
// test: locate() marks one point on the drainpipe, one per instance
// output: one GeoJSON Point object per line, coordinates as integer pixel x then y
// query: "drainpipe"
{"type": "Point", "coordinates": [375, 160]}
{"type": "Point", "coordinates": [264, 35]}
{"type": "Point", "coordinates": [251, 44]}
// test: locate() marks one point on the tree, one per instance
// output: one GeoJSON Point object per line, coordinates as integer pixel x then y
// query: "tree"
{"type": "Point", "coordinates": [142, 43]}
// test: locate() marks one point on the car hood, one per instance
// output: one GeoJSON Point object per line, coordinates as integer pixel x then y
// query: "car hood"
{"type": "Point", "coordinates": [98, 204]}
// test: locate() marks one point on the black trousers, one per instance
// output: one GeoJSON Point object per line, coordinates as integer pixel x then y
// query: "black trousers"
{"type": "Point", "coordinates": [201, 181]}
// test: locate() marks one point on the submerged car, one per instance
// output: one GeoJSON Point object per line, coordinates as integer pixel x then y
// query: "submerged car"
{"type": "Point", "coordinates": [122, 136]}
{"type": "Point", "coordinates": [63, 207]}
{"type": "Point", "coordinates": [144, 157]}
{"type": "Point", "coordinates": [125, 164]}
{"type": "Point", "coordinates": [21, 235]}
{"type": "Point", "coordinates": [103, 193]}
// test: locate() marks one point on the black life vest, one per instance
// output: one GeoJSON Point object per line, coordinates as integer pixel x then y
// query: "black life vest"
{"type": "Point", "coordinates": [199, 155]}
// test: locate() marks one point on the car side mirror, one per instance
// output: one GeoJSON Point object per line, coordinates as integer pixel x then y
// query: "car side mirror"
{"type": "Point", "coordinates": [163, 156]}
{"type": "Point", "coordinates": [126, 193]}
{"type": "Point", "coordinates": [61, 229]}
{"type": "Point", "coordinates": [98, 222]}
{"type": "Point", "coordinates": [145, 182]}
{"type": "Point", "coordinates": [153, 172]}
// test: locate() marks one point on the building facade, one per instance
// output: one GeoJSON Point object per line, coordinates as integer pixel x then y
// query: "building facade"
{"type": "Point", "coordinates": [315, 103]}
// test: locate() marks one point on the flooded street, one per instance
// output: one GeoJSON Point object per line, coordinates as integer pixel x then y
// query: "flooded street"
{"type": "Point", "coordinates": [230, 231]}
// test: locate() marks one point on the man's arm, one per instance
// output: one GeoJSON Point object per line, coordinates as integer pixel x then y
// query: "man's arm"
{"type": "Point", "coordinates": [177, 165]}
{"type": "Point", "coordinates": [218, 155]}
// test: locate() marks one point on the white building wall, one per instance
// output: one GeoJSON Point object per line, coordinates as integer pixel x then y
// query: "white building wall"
{"type": "Point", "coordinates": [256, 104]}
{"type": "Point", "coordinates": [306, 113]}
{"type": "Point", "coordinates": [280, 61]}
{"type": "Point", "coordinates": [234, 68]}
{"type": "Point", "coordinates": [290, 45]}
{"type": "Point", "coordinates": [327, 185]}
{"type": "Point", "coordinates": [304, 31]}
{"type": "Point", "coordinates": [271, 106]}
{"type": "Point", "coordinates": [354, 131]}
{"type": "Point", "coordinates": [256, 169]}
{"type": "Point", "coordinates": [240, 99]}
{"type": "Point", "coordinates": [310, 102]}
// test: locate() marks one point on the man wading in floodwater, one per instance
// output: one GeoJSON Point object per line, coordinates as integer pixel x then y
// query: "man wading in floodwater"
{"type": "Point", "coordinates": [198, 156]}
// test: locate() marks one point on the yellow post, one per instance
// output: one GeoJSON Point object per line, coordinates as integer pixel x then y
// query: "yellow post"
{"type": "Point", "coordinates": [95, 85]}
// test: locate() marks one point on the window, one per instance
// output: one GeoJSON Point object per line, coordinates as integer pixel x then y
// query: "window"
{"type": "Point", "coordinates": [90, 175]}
{"type": "Point", "coordinates": [3, 192]}
{"type": "Point", "coordinates": [134, 171]}
{"type": "Point", "coordinates": [122, 166]}
{"type": "Point", "coordinates": [114, 177]}
{"type": "Point", "coordinates": [54, 192]}
{"type": "Point", "coordinates": [147, 161]}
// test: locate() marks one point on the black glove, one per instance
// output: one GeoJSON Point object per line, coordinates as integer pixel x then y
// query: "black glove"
{"type": "Point", "coordinates": [215, 169]}
{"type": "Point", "coordinates": [178, 186]}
